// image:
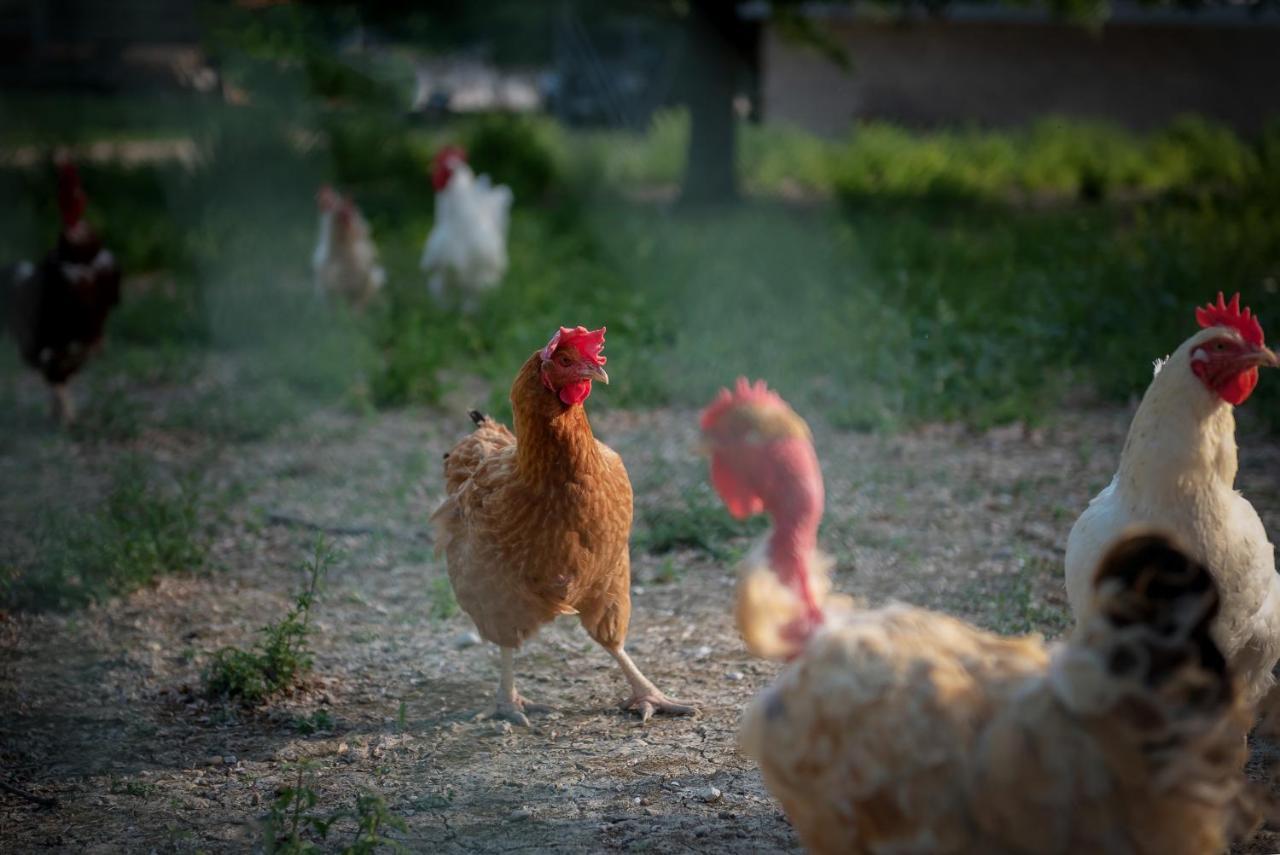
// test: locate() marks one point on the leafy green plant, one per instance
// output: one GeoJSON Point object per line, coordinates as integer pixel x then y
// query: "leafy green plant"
{"type": "Point", "coordinates": [282, 655]}
{"type": "Point", "coordinates": [291, 820]}
{"type": "Point", "coordinates": [372, 816]}
{"type": "Point", "coordinates": [316, 722]}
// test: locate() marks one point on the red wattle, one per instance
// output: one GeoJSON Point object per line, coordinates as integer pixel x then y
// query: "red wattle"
{"type": "Point", "coordinates": [740, 500]}
{"type": "Point", "coordinates": [1238, 389]}
{"type": "Point", "coordinates": [575, 392]}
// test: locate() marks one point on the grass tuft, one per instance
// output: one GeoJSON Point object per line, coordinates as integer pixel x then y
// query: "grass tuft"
{"type": "Point", "coordinates": [146, 526]}
{"type": "Point", "coordinates": [282, 655]}
{"type": "Point", "coordinates": [698, 522]}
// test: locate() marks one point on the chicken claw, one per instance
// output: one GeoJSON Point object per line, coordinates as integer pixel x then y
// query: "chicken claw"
{"type": "Point", "coordinates": [518, 710]}
{"type": "Point", "coordinates": [647, 703]}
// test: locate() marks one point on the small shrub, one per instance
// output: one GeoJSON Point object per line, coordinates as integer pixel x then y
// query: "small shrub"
{"type": "Point", "coordinates": [282, 655]}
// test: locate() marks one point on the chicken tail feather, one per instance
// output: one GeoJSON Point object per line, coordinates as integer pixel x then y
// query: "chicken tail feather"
{"type": "Point", "coordinates": [1159, 603]}
{"type": "Point", "coordinates": [1146, 656]}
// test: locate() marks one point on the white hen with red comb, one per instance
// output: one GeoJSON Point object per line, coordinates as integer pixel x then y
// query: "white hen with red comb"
{"type": "Point", "coordinates": [466, 251]}
{"type": "Point", "coordinates": [1178, 470]}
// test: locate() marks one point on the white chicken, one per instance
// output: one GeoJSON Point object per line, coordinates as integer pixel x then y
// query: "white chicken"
{"type": "Point", "coordinates": [345, 261]}
{"type": "Point", "coordinates": [1177, 471]}
{"type": "Point", "coordinates": [466, 252]}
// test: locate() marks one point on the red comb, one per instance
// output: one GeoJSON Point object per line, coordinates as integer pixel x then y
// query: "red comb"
{"type": "Point", "coordinates": [441, 171]}
{"type": "Point", "coordinates": [1229, 315]}
{"type": "Point", "coordinates": [744, 392]}
{"type": "Point", "coordinates": [71, 198]}
{"type": "Point", "coordinates": [588, 342]}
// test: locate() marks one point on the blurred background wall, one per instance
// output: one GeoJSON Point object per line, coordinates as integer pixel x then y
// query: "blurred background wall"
{"type": "Point", "coordinates": [997, 65]}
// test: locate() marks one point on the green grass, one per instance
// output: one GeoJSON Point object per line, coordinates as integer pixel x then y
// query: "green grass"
{"type": "Point", "coordinates": [282, 655]}
{"type": "Point", "coordinates": [148, 524]}
{"type": "Point", "coordinates": [699, 521]}
{"type": "Point", "coordinates": [961, 274]}
{"type": "Point", "coordinates": [441, 603]}
{"type": "Point", "coordinates": [316, 722]}
{"type": "Point", "coordinates": [1013, 603]}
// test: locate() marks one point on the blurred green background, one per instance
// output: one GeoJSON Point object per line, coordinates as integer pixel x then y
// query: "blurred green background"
{"type": "Point", "coordinates": [881, 278]}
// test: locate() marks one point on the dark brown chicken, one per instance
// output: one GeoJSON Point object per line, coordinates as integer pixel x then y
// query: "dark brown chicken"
{"type": "Point", "coordinates": [57, 309]}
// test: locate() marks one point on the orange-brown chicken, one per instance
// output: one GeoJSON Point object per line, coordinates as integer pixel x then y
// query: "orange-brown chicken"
{"type": "Point", "coordinates": [537, 524]}
{"type": "Point", "coordinates": [904, 730]}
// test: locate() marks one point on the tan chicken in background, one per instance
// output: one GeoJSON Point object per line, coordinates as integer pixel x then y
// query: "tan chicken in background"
{"type": "Point", "coordinates": [904, 730]}
{"type": "Point", "coordinates": [1178, 470]}
{"type": "Point", "coordinates": [345, 261]}
{"type": "Point", "coordinates": [537, 524]}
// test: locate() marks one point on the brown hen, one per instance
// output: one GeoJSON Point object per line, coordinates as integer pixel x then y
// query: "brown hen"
{"type": "Point", "coordinates": [536, 524]}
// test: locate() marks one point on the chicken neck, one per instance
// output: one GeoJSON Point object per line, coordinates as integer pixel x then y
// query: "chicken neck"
{"type": "Point", "coordinates": [554, 441]}
{"type": "Point", "coordinates": [1182, 439]}
{"type": "Point", "coordinates": [792, 545]}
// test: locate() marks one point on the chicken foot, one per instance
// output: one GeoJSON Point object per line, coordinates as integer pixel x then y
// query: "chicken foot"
{"type": "Point", "coordinates": [646, 698]}
{"type": "Point", "coordinates": [511, 705]}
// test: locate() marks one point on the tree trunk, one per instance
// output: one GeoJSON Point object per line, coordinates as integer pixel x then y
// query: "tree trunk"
{"type": "Point", "coordinates": [721, 47]}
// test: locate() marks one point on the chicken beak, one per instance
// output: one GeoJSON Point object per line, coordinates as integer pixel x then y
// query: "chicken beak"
{"type": "Point", "coordinates": [595, 372]}
{"type": "Point", "coordinates": [1264, 357]}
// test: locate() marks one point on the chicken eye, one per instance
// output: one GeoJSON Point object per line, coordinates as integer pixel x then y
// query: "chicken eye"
{"type": "Point", "coordinates": [1217, 345]}
{"type": "Point", "coordinates": [564, 361]}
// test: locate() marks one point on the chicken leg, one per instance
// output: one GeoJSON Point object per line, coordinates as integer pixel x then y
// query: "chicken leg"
{"type": "Point", "coordinates": [511, 706]}
{"type": "Point", "coordinates": [62, 405]}
{"type": "Point", "coordinates": [646, 698]}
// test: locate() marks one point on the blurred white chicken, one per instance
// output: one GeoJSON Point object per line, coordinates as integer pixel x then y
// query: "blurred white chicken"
{"type": "Point", "coordinates": [1178, 470]}
{"type": "Point", "coordinates": [346, 259]}
{"type": "Point", "coordinates": [466, 252]}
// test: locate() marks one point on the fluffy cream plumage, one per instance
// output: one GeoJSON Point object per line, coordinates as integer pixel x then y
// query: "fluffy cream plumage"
{"type": "Point", "coordinates": [904, 730]}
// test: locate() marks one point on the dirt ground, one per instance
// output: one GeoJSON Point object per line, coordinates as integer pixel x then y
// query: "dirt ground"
{"type": "Point", "coordinates": [101, 708]}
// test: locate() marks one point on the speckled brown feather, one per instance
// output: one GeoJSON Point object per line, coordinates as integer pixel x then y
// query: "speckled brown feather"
{"type": "Point", "coordinates": [537, 524]}
{"type": "Point", "coordinates": [904, 730]}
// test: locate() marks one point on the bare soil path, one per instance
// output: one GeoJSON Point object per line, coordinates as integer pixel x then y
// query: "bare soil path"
{"type": "Point", "coordinates": [101, 708]}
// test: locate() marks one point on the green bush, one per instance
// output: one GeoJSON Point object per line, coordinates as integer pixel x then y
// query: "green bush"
{"type": "Point", "coordinates": [372, 147]}
{"type": "Point", "coordinates": [517, 151]}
